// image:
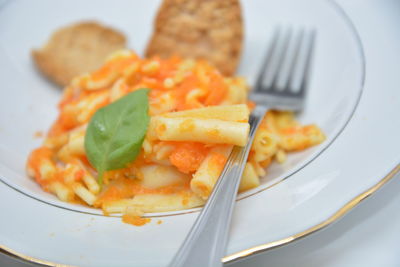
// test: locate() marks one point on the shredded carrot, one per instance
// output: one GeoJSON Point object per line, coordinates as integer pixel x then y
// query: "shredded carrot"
{"type": "Point", "coordinates": [187, 156]}
{"type": "Point", "coordinates": [79, 175]}
{"type": "Point", "coordinates": [218, 90]}
{"type": "Point", "coordinates": [68, 118]}
{"type": "Point", "coordinates": [56, 129]}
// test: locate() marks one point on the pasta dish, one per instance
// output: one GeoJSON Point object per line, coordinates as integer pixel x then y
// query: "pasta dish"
{"type": "Point", "coordinates": [153, 135]}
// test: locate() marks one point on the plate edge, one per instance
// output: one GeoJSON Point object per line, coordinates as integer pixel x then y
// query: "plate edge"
{"type": "Point", "coordinates": [333, 218]}
{"type": "Point", "coordinates": [237, 256]}
{"type": "Point", "coordinates": [263, 247]}
{"type": "Point", "coordinates": [254, 250]}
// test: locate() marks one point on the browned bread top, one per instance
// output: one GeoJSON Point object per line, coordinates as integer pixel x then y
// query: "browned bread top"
{"type": "Point", "coordinates": [207, 29]}
{"type": "Point", "coordinates": [77, 49]}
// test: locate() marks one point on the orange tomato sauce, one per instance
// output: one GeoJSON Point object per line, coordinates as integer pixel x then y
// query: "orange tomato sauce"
{"type": "Point", "coordinates": [135, 220]}
{"type": "Point", "coordinates": [172, 83]}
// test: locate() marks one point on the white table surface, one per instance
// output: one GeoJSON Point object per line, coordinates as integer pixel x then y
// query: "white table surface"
{"type": "Point", "coordinates": [370, 234]}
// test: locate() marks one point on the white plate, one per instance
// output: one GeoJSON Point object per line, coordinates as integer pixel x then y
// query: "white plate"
{"type": "Point", "coordinates": [324, 182]}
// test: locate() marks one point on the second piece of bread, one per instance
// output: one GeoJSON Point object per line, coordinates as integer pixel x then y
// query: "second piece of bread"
{"type": "Point", "coordinates": [77, 49]}
{"type": "Point", "coordinates": [206, 29]}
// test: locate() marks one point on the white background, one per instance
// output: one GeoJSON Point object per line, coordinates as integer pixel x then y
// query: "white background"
{"type": "Point", "coordinates": [370, 234]}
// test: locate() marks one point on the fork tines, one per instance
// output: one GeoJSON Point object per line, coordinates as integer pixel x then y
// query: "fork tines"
{"type": "Point", "coordinates": [285, 70]}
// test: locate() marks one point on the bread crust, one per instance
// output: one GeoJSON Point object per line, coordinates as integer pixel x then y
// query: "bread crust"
{"type": "Point", "coordinates": [205, 29]}
{"type": "Point", "coordinates": [77, 49]}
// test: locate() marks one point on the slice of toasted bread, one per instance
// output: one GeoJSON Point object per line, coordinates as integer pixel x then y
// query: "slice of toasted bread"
{"type": "Point", "coordinates": [77, 49]}
{"type": "Point", "coordinates": [206, 29]}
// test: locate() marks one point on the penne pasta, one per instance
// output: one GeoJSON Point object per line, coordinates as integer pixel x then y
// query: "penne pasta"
{"type": "Point", "coordinates": [237, 91]}
{"type": "Point", "coordinates": [116, 206]}
{"type": "Point", "coordinates": [61, 191]}
{"type": "Point", "coordinates": [76, 143]}
{"type": "Point", "coordinates": [147, 147]}
{"type": "Point", "coordinates": [96, 84]}
{"type": "Point", "coordinates": [118, 90]}
{"type": "Point", "coordinates": [47, 169]}
{"type": "Point", "coordinates": [280, 156]}
{"type": "Point", "coordinates": [210, 131]}
{"type": "Point", "coordinates": [258, 168]}
{"type": "Point", "coordinates": [91, 183]}
{"type": "Point", "coordinates": [196, 117]}
{"type": "Point", "coordinates": [209, 171]}
{"type": "Point", "coordinates": [156, 203]}
{"type": "Point", "coordinates": [55, 142]}
{"type": "Point", "coordinates": [250, 178]}
{"type": "Point", "coordinates": [84, 194]}
{"type": "Point", "coordinates": [156, 176]}
{"type": "Point", "coordinates": [299, 138]}
{"type": "Point", "coordinates": [238, 113]}
{"type": "Point", "coordinates": [162, 152]}
{"type": "Point", "coordinates": [265, 145]}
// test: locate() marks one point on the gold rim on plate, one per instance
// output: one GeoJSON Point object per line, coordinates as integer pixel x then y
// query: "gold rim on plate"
{"type": "Point", "coordinates": [336, 216]}
{"type": "Point", "coordinates": [263, 247]}
{"type": "Point", "coordinates": [257, 249]}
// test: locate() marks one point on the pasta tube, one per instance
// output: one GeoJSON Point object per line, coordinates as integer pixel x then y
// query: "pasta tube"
{"type": "Point", "coordinates": [250, 178]}
{"type": "Point", "coordinates": [265, 145]}
{"type": "Point", "coordinates": [91, 183]}
{"type": "Point", "coordinates": [61, 191]}
{"type": "Point", "coordinates": [238, 113]}
{"type": "Point", "coordinates": [155, 203]}
{"type": "Point", "coordinates": [299, 138]}
{"type": "Point", "coordinates": [84, 194]}
{"type": "Point", "coordinates": [199, 130]}
{"type": "Point", "coordinates": [209, 171]}
{"type": "Point", "coordinates": [47, 169]}
{"type": "Point", "coordinates": [156, 176]}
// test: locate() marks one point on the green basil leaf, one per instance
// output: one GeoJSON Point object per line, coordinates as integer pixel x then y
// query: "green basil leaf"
{"type": "Point", "coordinates": [116, 132]}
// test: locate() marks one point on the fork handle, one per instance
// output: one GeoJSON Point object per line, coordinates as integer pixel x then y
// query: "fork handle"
{"type": "Point", "coordinates": [205, 244]}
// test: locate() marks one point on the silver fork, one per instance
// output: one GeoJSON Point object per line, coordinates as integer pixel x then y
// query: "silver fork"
{"type": "Point", "coordinates": [281, 84]}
